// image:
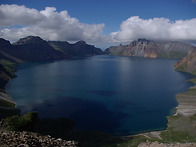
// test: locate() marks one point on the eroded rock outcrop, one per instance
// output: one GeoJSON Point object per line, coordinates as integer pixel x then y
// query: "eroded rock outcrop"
{"type": "Point", "coordinates": [152, 49]}
{"type": "Point", "coordinates": [188, 64]}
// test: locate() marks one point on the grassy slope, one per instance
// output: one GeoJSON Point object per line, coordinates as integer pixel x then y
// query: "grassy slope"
{"type": "Point", "coordinates": [5, 75]}
{"type": "Point", "coordinates": [181, 128]}
{"type": "Point", "coordinates": [4, 103]}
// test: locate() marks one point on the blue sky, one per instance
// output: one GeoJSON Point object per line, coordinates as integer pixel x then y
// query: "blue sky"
{"type": "Point", "coordinates": [111, 19]}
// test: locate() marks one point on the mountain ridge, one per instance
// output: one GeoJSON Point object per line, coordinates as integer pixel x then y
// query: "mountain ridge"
{"type": "Point", "coordinates": [34, 48]}
{"type": "Point", "coordinates": [151, 49]}
{"type": "Point", "coordinates": [80, 48]}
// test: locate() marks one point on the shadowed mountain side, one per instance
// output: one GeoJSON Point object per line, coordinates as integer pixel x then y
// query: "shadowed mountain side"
{"type": "Point", "coordinates": [7, 62]}
{"type": "Point", "coordinates": [152, 49]}
{"type": "Point", "coordinates": [36, 49]}
{"type": "Point", "coordinates": [78, 49]}
{"type": "Point", "coordinates": [7, 51]}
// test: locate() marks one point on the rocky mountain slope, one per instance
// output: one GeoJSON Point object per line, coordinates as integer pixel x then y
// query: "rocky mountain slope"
{"type": "Point", "coordinates": [152, 49]}
{"type": "Point", "coordinates": [80, 48]}
{"type": "Point", "coordinates": [7, 51]}
{"type": "Point", "coordinates": [33, 48]}
{"type": "Point", "coordinates": [188, 64]}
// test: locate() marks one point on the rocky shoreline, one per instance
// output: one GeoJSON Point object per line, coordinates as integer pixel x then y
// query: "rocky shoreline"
{"type": "Point", "coordinates": [186, 104]}
{"type": "Point", "coordinates": [184, 118]}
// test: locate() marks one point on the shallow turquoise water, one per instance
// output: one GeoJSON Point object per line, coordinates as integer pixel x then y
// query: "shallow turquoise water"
{"type": "Point", "coordinates": [117, 95]}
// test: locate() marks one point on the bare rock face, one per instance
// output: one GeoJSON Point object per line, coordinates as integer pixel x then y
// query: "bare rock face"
{"type": "Point", "coordinates": [152, 49]}
{"type": "Point", "coordinates": [188, 64]}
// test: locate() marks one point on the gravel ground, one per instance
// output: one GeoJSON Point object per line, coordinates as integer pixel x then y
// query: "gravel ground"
{"type": "Point", "coordinates": [28, 139]}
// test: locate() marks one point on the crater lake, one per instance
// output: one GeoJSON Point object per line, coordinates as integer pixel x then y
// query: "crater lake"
{"type": "Point", "coordinates": [112, 94]}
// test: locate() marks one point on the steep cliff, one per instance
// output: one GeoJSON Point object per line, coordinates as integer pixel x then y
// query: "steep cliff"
{"type": "Point", "coordinates": [152, 49]}
{"type": "Point", "coordinates": [188, 63]}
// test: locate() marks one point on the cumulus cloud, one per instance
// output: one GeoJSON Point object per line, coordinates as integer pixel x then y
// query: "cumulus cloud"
{"type": "Point", "coordinates": [20, 21]}
{"type": "Point", "coordinates": [156, 28]}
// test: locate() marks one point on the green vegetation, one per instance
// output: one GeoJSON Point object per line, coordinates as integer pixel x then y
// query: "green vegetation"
{"type": "Point", "coordinates": [181, 67]}
{"type": "Point", "coordinates": [180, 129]}
{"type": "Point", "coordinates": [171, 54]}
{"type": "Point", "coordinates": [193, 80]}
{"type": "Point", "coordinates": [176, 54]}
{"type": "Point", "coordinates": [7, 72]}
{"type": "Point", "coordinates": [17, 123]}
{"type": "Point", "coordinates": [194, 72]}
{"type": "Point", "coordinates": [56, 47]}
{"type": "Point", "coordinates": [31, 116]}
{"type": "Point", "coordinates": [4, 103]}
{"type": "Point", "coordinates": [95, 139]}
{"type": "Point", "coordinates": [133, 141]}
{"type": "Point", "coordinates": [3, 82]}
{"type": "Point", "coordinates": [9, 66]}
{"type": "Point", "coordinates": [191, 91]}
{"type": "Point", "coordinates": [27, 122]}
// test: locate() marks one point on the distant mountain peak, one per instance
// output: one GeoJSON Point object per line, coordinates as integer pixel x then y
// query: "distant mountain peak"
{"type": "Point", "coordinates": [4, 42]}
{"type": "Point", "coordinates": [81, 42]}
{"type": "Point", "coordinates": [143, 40]}
{"type": "Point", "coordinates": [29, 39]}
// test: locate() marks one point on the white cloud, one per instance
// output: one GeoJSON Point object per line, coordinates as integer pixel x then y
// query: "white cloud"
{"type": "Point", "coordinates": [20, 21]}
{"type": "Point", "coordinates": [156, 28]}
{"type": "Point", "coordinates": [14, 14]}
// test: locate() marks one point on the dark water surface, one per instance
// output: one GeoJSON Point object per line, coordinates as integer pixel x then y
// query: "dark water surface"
{"type": "Point", "coordinates": [117, 95]}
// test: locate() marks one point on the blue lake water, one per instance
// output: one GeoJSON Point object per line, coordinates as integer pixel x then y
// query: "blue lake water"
{"type": "Point", "coordinates": [116, 95]}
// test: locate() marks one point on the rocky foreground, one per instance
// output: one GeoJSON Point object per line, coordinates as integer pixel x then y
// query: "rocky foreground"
{"type": "Point", "coordinates": [28, 139]}
{"type": "Point", "coordinates": [157, 144]}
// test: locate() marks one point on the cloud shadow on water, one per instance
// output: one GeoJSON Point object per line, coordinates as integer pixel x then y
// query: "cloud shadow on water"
{"type": "Point", "coordinates": [103, 92]}
{"type": "Point", "coordinates": [87, 114]}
